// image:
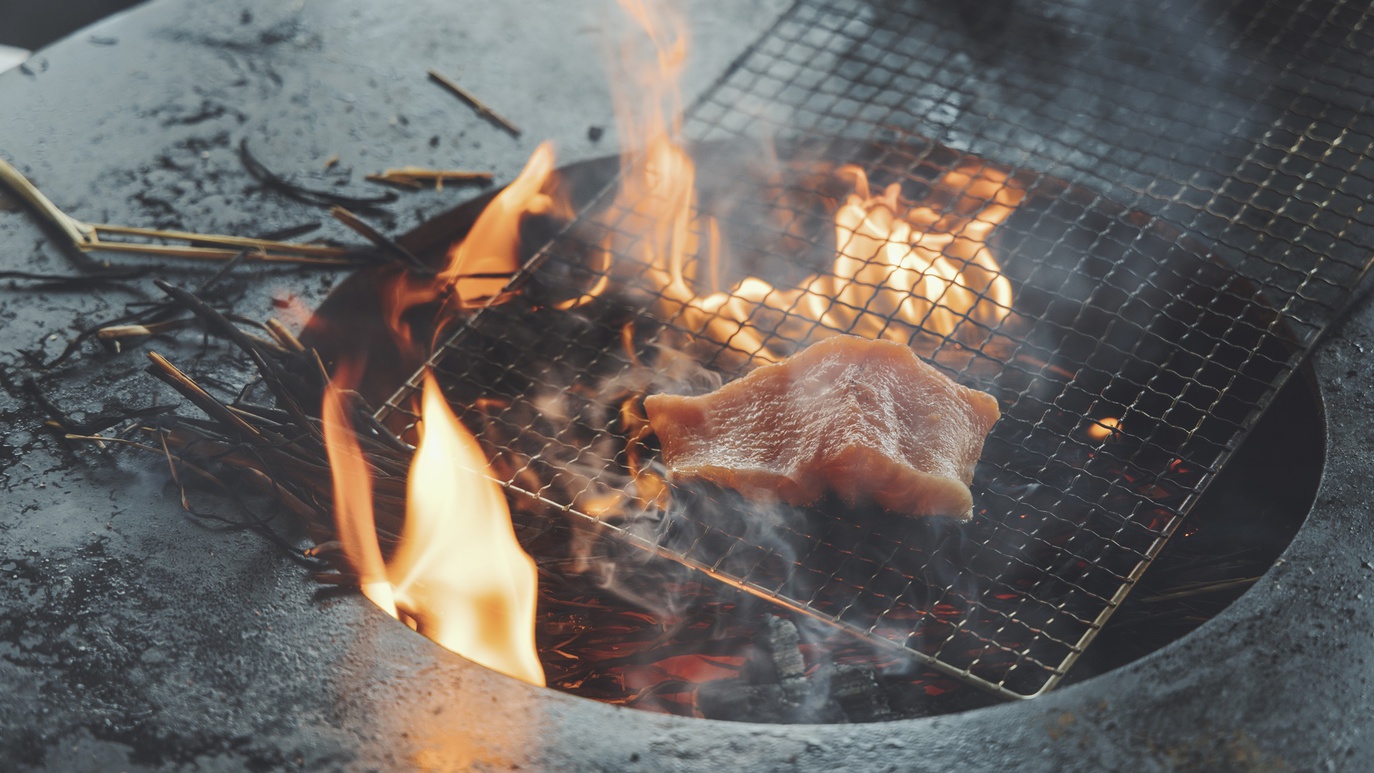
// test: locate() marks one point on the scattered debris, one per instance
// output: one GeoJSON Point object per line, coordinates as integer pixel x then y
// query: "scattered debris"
{"type": "Point", "coordinates": [301, 193]}
{"type": "Point", "coordinates": [416, 177]}
{"type": "Point", "coordinates": [474, 102]}
{"type": "Point", "coordinates": [90, 237]}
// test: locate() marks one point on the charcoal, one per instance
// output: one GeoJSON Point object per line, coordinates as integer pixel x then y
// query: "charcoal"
{"type": "Point", "coordinates": [728, 699]}
{"type": "Point", "coordinates": [774, 687]}
{"type": "Point", "coordinates": [855, 689]}
{"type": "Point", "coordinates": [783, 642]}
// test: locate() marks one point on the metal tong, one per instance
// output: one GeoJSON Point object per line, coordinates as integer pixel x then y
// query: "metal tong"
{"type": "Point", "coordinates": [89, 237]}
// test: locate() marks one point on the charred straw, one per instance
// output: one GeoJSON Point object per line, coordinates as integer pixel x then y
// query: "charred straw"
{"type": "Point", "coordinates": [79, 281]}
{"type": "Point", "coordinates": [277, 451]}
{"type": "Point", "coordinates": [390, 247]}
{"type": "Point", "coordinates": [150, 319]}
{"type": "Point", "coordinates": [276, 182]}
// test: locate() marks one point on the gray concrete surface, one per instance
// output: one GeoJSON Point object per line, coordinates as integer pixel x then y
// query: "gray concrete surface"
{"type": "Point", "coordinates": [133, 638]}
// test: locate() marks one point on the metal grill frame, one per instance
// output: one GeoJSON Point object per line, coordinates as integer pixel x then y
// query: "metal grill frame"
{"type": "Point", "coordinates": [1296, 280]}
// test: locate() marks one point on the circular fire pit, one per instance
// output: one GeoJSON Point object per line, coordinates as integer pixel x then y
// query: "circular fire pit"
{"type": "Point", "coordinates": [621, 627]}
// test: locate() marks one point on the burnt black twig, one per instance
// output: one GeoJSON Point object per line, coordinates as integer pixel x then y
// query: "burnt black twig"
{"type": "Point", "coordinates": [290, 232]}
{"type": "Point", "coordinates": [49, 407]}
{"type": "Point", "coordinates": [60, 420]}
{"type": "Point", "coordinates": [104, 421]}
{"type": "Point", "coordinates": [80, 281]}
{"type": "Point", "coordinates": [152, 317]}
{"type": "Point", "coordinates": [388, 245]}
{"type": "Point", "coordinates": [280, 184]}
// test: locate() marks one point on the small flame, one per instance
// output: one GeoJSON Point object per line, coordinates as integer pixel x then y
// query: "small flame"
{"type": "Point", "coordinates": [353, 516]}
{"type": "Point", "coordinates": [458, 575]}
{"type": "Point", "coordinates": [480, 265]}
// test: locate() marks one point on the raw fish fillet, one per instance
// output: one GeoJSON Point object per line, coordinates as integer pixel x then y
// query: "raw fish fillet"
{"type": "Point", "coordinates": [865, 420]}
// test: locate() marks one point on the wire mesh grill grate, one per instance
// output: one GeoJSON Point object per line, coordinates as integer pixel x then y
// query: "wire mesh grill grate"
{"type": "Point", "coordinates": [1193, 179]}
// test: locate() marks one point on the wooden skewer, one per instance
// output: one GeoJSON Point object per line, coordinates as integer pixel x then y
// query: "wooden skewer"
{"type": "Point", "coordinates": [117, 332]}
{"type": "Point", "coordinates": [474, 102]}
{"type": "Point", "coordinates": [87, 237]}
{"type": "Point", "coordinates": [418, 177]}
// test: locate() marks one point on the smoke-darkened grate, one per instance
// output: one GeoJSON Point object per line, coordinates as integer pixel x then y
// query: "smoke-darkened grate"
{"type": "Point", "coordinates": [1188, 183]}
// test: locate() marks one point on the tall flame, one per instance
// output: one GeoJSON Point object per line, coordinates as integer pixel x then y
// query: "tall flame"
{"type": "Point", "coordinates": [898, 268]}
{"type": "Point", "coordinates": [458, 574]}
{"type": "Point", "coordinates": [459, 571]}
{"type": "Point", "coordinates": [658, 191]}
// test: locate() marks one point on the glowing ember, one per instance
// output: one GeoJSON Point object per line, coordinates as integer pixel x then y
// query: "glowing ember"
{"type": "Point", "coordinates": [1103, 429]}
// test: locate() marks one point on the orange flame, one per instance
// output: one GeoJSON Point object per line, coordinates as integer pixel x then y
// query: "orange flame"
{"type": "Point", "coordinates": [898, 268]}
{"type": "Point", "coordinates": [480, 265]}
{"type": "Point", "coordinates": [924, 269]}
{"type": "Point", "coordinates": [895, 272]}
{"type": "Point", "coordinates": [458, 574]}
{"type": "Point", "coordinates": [459, 571]}
{"type": "Point", "coordinates": [353, 516]}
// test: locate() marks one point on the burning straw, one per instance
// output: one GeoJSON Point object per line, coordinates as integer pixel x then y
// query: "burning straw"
{"type": "Point", "coordinates": [275, 446]}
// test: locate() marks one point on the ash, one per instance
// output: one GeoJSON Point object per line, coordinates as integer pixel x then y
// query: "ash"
{"type": "Point", "coordinates": [774, 686]}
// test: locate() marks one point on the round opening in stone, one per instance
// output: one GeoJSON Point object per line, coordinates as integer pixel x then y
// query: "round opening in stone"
{"type": "Point", "coordinates": [1125, 360]}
